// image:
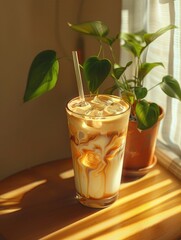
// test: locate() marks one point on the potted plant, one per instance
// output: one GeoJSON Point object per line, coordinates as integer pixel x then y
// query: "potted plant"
{"type": "Point", "coordinates": [145, 116]}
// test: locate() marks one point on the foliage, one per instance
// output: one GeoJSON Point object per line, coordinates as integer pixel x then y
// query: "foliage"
{"type": "Point", "coordinates": [133, 90]}
{"type": "Point", "coordinates": [43, 73]}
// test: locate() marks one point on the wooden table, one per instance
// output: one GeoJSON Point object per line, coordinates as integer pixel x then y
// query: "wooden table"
{"type": "Point", "coordinates": [39, 203]}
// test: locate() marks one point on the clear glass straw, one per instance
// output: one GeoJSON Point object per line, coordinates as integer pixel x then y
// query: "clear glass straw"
{"type": "Point", "coordinates": [78, 75]}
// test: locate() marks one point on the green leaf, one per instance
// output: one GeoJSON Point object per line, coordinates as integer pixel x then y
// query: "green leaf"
{"type": "Point", "coordinates": [140, 92]}
{"type": "Point", "coordinates": [133, 37]}
{"type": "Point", "coordinates": [147, 114]}
{"type": "Point", "coordinates": [137, 42]}
{"type": "Point", "coordinates": [150, 37]}
{"type": "Point", "coordinates": [119, 70]}
{"type": "Point", "coordinates": [109, 40]}
{"type": "Point", "coordinates": [110, 90]}
{"type": "Point", "coordinates": [43, 74]}
{"type": "Point", "coordinates": [128, 96]}
{"type": "Point", "coordinates": [134, 47]}
{"type": "Point", "coordinates": [171, 87]}
{"type": "Point", "coordinates": [96, 71]}
{"type": "Point", "coordinates": [145, 68]}
{"type": "Point", "coordinates": [94, 28]}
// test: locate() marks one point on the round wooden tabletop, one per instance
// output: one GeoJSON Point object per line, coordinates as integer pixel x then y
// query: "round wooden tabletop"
{"type": "Point", "coordinates": [39, 203]}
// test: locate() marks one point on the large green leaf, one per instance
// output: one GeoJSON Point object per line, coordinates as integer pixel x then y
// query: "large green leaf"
{"type": "Point", "coordinates": [150, 37]}
{"type": "Point", "coordinates": [119, 70]}
{"type": "Point", "coordinates": [95, 28]}
{"type": "Point", "coordinates": [171, 87]}
{"type": "Point", "coordinates": [43, 74]}
{"type": "Point", "coordinates": [145, 68]}
{"type": "Point", "coordinates": [96, 71]}
{"type": "Point", "coordinates": [134, 47]}
{"type": "Point", "coordinates": [133, 37]}
{"type": "Point", "coordinates": [147, 114]}
{"type": "Point", "coordinates": [140, 92]}
{"type": "Point", "coordinates": [136, 43]}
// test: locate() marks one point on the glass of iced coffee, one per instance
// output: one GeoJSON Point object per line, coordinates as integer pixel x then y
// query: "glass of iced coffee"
{"type": "Point", "coordinates": [98, 128]}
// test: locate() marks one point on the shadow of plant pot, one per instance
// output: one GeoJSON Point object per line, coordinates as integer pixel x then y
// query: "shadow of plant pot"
{"type": "Point", "coordinates": [140, 148]}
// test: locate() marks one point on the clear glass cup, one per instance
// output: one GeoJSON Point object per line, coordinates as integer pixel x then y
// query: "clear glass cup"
{"type": "Point", "coordinates": [98, 129]}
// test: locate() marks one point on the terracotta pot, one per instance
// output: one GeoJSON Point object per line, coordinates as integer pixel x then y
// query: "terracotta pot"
{"type": "Point", "coordinates": [140, 148]}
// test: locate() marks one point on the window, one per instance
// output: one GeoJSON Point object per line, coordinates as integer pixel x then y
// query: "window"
{"type": "Point", "coordinates": [151, 15]}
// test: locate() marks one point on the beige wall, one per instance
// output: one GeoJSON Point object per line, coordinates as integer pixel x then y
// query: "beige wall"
{"type": "Point", "coordinates": [36, 132]}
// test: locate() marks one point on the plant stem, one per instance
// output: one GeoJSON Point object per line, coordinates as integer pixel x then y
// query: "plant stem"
{"type": "Point", "coordinates": [112, 53]}
{"type": "Point", "coordinates": [100, 49]}
{"type": "Point", "coordinates": [154, 86]}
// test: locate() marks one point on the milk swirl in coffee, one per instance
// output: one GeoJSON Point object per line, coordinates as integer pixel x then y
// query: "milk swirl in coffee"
{"type": "Point", "coordinates": [98, 130]}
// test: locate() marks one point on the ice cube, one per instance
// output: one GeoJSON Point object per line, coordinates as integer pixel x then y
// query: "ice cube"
{"type": "Point", "coordinates": [90, 159]}
{"type": "Point", "coordinates": [96, 124]}
{"type": "Point", "coordinates": [81, 107]}
{"type": "Point", "coordinates": [96, 113]}
{"type": "Point", "coordinates": [81, 135]}
{"type": "Point", "coordinates": [98, 103]}
{"type": "Point", "coordinates": [114, 109]}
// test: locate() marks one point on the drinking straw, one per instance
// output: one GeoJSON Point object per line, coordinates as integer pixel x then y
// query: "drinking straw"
{"type": "Point", "coordinates": [78, 75]}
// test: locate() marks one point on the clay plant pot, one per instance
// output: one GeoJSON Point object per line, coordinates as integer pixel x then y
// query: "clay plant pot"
{"type": "Point", "coordinates": [140, 148]}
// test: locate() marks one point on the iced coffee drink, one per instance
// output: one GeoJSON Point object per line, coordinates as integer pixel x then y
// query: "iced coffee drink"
{"type": "Point", "coordinates": [98, 129]}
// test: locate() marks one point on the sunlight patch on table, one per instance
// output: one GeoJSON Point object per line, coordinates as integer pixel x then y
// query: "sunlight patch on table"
{"type": "Point", "coordinates": [134, 228]}
{"type": "Point", "coordinates": [67, 174]}
{"type": "Point", "coordinates": [80, 230]}
{"type": "Point", "coordinates": [10, 201]}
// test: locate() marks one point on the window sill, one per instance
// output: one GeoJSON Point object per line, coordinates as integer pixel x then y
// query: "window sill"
{"type": "Point", "coordinates": [169, 160]}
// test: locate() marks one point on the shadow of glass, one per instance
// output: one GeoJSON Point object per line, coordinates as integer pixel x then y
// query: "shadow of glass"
{"type": "Point", "coordinates": [46, 206]}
